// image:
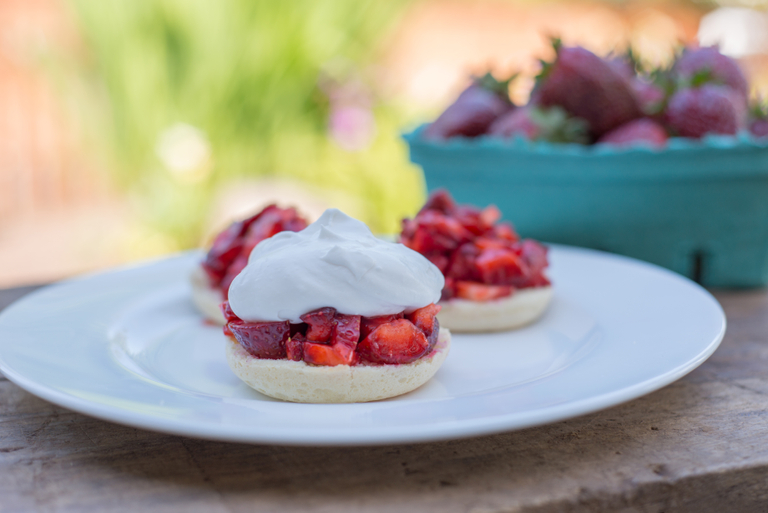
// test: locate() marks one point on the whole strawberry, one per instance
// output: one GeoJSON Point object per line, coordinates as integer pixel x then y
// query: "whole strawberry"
{"type": "Point", "coordinates": [637, 131]}
{"type": "Point", "coordinates": [473, 111]}
{"type": "Point", "coordinates": [708, 61]}
{"type": "Point", "coordinates": [650, 96]}
{"type": "Point", "coordinates": [759, 128]}
{"type": "Point", "coordinates": [586, 87]}
{"type": "Point", "coordinates": [715, 109]}
{"type": "Point", "coordinates": [649, 84]}
{"type": "Point", "coordinates": [539, 123]}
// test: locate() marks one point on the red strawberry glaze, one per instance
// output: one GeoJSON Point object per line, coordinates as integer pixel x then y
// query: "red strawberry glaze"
{"type": "Point", "coordinates": [231, 248]}
{"type": "Point", "coordinates": [329, 338]}
{"type": "Point", "coordinates": [480, 257]}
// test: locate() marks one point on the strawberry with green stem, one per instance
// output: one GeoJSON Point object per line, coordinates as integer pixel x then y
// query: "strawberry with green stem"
{"type": "Point", "coordinates": [586, 87]}
{"type": "Point", "coordinates": [536, 123]}
{"type": "Point", "coordinates": [474, 110]}
{"type": "Point", "coordinates": [709, 108]}
{"type": "Point", "coordinates": [694, 63]}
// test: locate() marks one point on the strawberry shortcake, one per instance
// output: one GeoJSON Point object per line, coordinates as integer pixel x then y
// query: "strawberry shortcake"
{"type": "Point", "coordinates": [494, 281]}
{"type": "Point", "coordinates": [332, 314]}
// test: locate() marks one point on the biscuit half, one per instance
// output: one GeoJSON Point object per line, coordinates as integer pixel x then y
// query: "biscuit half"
{"type": "Point", "coordinates": [206, 298]}
{"type": "Point", "coordinates": [300, 382]}
{"type": "Point", "coordinates": [523, 307]}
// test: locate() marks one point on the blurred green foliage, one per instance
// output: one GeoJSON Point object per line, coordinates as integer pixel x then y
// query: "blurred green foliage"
{"type": "Point", "coordinates": [245, 73]}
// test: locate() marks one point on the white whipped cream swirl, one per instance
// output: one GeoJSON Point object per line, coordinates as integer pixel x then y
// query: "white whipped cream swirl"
{"type": "Point", "coordinates": [336, 261]}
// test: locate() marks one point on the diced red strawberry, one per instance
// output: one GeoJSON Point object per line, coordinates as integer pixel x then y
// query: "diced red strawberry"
{"type": "Point", "coordinates": [479, 292]}
{"type": "Point", "coordinates": [441, 201]}
{"type": "Point", "coordinates": [232, 247]}
{"type": "Point", "coordinates": [322, 354]}
{"type": "Point", "coordinates": [347, 353]}
{"type": "Point", "coordinates": [505, 231]}
{"type": "Point", "coordinates": [226, 310]}
{"type": "Point", "coordinates": [484, 243]}
{"type": "Point", "coordinates": [463, 264]}
{"type": "Point", "coordinates": [534, 255]}
{"type": "Point", "coordinates": [440, 261]}
{"type": "Point", "coordinates": [320, 322]}
{"type": "Point", "coordinates": [299, 329]}
{"type": "Point", "coordinates": [294, 347]}
{"type": "Point", "coordinates": [500, 267]}
{"type": "Point", "coordinates": [408, 229]}
{"type": "Point", "coordinates": [368, 324]}
{"type": "Point", "coordinates": [438, 232]}
{"type": "Point", "coordinates": [346, 331]}
{"type": "Point", "coordinates": [292, 221]}
{"type": "Point", "coordinates": [424, 319]}
{"type": "Point", "coordinates": [449, 290]}
{"type": "Point", "coordinates": [226, 246]}
{"type": "Point", "coordinates": [490, 215]}
{"type": "Point", "coordinates": [233, 270]}
{"type": "Point", "coordinates": [474, 220]}
{"type": "Point", "coordinates": [262, 339]}
{"type": "Point", "coordinates": [268, 224]}
{"type": "Point", "coordinates": [395, 342]}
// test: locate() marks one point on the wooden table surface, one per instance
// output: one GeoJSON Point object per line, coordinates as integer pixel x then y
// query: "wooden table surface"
{"type": "Point", "coordinates": [698, 445]}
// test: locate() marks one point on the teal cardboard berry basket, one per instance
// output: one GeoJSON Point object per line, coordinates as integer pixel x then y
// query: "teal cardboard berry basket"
{"type": "Point", "coordinates": [697, 207]}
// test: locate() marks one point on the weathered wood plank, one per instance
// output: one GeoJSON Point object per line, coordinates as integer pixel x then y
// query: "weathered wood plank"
{"type": "Point", "coordinates": [698, 445]}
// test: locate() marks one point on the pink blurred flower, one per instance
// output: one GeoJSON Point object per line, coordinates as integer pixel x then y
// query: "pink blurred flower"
{"type": "Point", "coordinates": [352, 127]}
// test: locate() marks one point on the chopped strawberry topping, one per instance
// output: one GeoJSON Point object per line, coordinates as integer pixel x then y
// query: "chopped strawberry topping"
{"type": "Point", "coordinates": [261, 339]}
{"type": "Point", "coordinates": [369, 324]}
{"type": "Point", "coordinates": [501, 267]}
{"type": "Point", "coordinates": [505, 231]}
{"type": "Point", "coordinates": [470, 245]}
{"type": "Point", "coordinates": [321, 323]}
{"type": "Point", "coordinates": [227, 245]}
{"type": "Point", "coordinates": [479, 292]}
{"type": "Point", "coordinates": [322, 354]}
{"type": "Point", "coordinates": [226, 310]}
{"type": "Point", "coordinates": [424, 319]}
{"type": "Point", "coordinates": [294, 347]}
{"type": "Point", "coordinates": [440, 261]}
{"type": "Point", "coordinates": [391, 338]}
{"type": "Point", "coordinates": [535, 255]}
{"type": "Point", "coordinates": [346, 331]}
{"type": "Point", "coordinates": [395, 342]}
{"type": "Point", "coordinates": [435, 231]}
{"type": "Point", "coordinates": [463, 262]}
{"type": "Point", "coordinates": [232, 247]}
{"type": "Point", "coordinates": [441, 201]}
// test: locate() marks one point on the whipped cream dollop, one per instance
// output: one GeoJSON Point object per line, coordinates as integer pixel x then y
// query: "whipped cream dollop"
{"type": "Point", "coordinates": [336, 261]}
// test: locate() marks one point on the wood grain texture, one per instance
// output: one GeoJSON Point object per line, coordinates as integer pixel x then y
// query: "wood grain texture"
{"type": "Point", "coordinates": [698, 445]}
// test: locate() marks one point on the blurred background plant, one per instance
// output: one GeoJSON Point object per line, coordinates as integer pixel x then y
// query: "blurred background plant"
{"type": "Point", "coordinates": [201, 95]}
{"type": "Point", "coordinates": [132, 128]}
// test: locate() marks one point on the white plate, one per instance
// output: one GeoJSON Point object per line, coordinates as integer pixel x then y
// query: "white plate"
{"type": "Point", "coordinates": [127, 346]}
